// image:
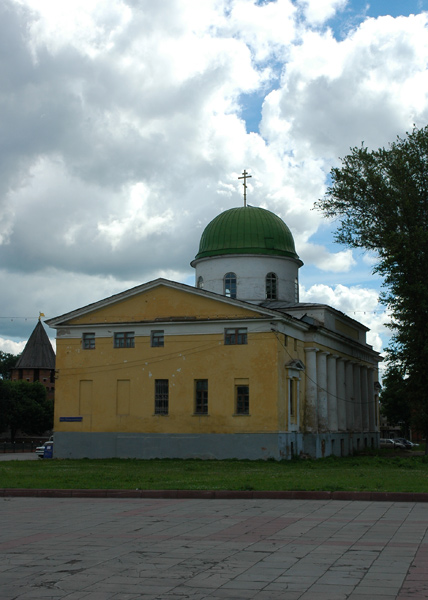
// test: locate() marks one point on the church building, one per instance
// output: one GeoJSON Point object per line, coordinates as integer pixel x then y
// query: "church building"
{"type": "Point", "coordinates": [234, 367]}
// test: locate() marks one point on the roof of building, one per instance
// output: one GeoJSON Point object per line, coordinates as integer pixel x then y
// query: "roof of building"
{"type": "Point", "coordinates": [38, 352]}
{"type": "Point", "coordinates": [247, 230]}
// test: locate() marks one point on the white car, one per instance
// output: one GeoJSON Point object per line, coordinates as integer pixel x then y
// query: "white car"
{"type": "Point", "coordinates": [406, 443]}
{"type": "Point", "coordinates": [390, 443]}
{"type": "Point", "coordinates": [40, 450]}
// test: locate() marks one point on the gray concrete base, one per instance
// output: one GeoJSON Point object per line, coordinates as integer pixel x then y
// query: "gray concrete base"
{"type": "Point", "coordinates": [254, 446]}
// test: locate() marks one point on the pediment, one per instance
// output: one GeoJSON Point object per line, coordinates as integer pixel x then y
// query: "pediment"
{"type": "Point", "coordinates": [160, 300]}
{"type": "Point", "coordinates": [296, 364]}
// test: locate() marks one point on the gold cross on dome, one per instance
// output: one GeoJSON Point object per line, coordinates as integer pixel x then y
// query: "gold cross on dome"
{"type": "Point", "coordinates": [245, 176]}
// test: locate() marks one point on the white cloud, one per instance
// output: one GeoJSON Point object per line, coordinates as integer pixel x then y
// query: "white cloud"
{"type": "Point", "coordinates": [319, 11]}
{"type": "Point", "coordinates": [337, 262]}
{"type": "Point", "coordinates": [361, 304]}
{"type": "Point", "coordinates": [11, 347]}
{"type": "Point", "coordinates": [122, 135]}
{"type": "Point", "coordinates": [368, 87]}
{"type": "Point", "coordinates": [268, 28]}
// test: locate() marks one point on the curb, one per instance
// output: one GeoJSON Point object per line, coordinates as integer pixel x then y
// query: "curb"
{"type": "Point", "coordinates": [218, 495]}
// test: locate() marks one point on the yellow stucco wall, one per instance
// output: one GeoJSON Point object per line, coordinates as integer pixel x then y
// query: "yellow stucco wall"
{"type": "Point", "coordinates": [113, 389]}
{"type": "Point", "coordinates": [106, 405]}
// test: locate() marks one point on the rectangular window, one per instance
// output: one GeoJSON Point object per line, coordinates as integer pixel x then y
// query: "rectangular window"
{"type": "Point", "coordinates": [242, 393]}
{"type": "Point", "coordinates": [161, 396]}
{"type": "Point", "coordinates": [157, 339]}
{"type": "Point", "coordinates": [124, 339]}
{"type": "Point", "coordinates": [233, 336]}
{"type": "Point", "coordinates": [201, 397]}
{"type": "Point", "coordinates": [88, 341]}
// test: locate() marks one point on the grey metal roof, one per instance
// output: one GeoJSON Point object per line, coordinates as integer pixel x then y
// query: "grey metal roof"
{"type": "Point", "coordinates": [38, 352]}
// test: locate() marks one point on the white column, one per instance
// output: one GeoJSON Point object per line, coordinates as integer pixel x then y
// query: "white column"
{"type": "Point", "coordinates": [357, 398]}
{"type": "Point", "coordinates": [298, 404]}
{"type": "Point", "coordinates": [333, 421]}
{"type": "Point", "coordinates": [364, 399]}
{"type": "Point", "coordinates": [371, 400]}
{"type": "Point", "coordinates": [290, 401]}
{"type": "Point", "coordinates": [322, 391]}
{"type": "Point", "coordinates": [341, 394]}
{"type": "Point", "coordinates": [311, 419]}
{"type": "Point", "coordinates": [350, 426]}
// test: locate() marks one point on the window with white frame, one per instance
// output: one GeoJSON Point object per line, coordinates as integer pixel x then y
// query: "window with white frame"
{"type": "Point", "coordinates": [271, 286]}
{"type": "Point", "coordinates": [230, 285]}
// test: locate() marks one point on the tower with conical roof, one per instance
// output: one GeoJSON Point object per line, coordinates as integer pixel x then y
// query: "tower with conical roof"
{"type": "Point", "coordinates": [37, 361]}
{"type": "Point", "coordinates": [248, 253]}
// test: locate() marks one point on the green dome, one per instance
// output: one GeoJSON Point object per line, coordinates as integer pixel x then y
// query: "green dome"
{"type": "Point", "coordinates": [246, 230]}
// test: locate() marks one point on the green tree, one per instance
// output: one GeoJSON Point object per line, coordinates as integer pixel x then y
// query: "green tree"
{"type": "Point", "coordinates": [24, 407]}
{"type": "Point", "coordinates": [393, 399]}
{"type": "Point", "coordinates": [380, 199]}
{"type": "Point", "coordinates": [7, 362]}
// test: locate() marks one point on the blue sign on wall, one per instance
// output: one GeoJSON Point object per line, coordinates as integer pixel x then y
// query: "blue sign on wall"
{"type": "Point", "coordinates": [70, 419]}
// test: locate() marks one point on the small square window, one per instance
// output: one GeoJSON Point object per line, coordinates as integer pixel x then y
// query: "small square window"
{"type": "Point", "coordinates": [161, 396]}
{"type": "Point", "coordinates": [157, 339]}
{"type": "Point", "coordinates": [124, 339]}
{"type": "Point", "coordinates": [242, 399]}
{"type": "Point", "coordinates": [88, 341]}
{"type": "Point", "coordinates": [234, 336]}
{"type": "Point", "coordinates": [201, 397]}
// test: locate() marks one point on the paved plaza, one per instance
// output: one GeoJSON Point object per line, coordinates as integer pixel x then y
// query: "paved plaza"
{"type": "Point", "coordinates": [125, 549]}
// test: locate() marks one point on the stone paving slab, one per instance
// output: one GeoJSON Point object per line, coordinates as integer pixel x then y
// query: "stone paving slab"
{"type": "Point", "coordinates": [176, 548]}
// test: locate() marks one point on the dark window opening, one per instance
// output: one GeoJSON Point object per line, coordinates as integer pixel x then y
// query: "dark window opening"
{"type": "Point", "coordinates": [242, 400]}
{"type": "Point", "coordinates": [161, 396]}
{"type": "Point", "coordinates": [201, 397]}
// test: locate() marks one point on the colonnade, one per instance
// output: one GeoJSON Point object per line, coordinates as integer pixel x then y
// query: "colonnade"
{"type": "Point", "coordinates": [340, 393]}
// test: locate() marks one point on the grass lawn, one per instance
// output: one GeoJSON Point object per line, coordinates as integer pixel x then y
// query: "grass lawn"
{"type": "Point", "coordinates": [379, 472]}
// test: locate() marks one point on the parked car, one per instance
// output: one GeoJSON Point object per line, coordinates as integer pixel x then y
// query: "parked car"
{"type": "Point", "coordinates": [390, 443]}
{"type": "Point", "coordinates": [407, 443]}
{"type": "Point", "coordinates": [40, 450]}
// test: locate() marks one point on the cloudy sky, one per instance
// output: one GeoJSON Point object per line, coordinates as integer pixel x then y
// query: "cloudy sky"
{"type": "Point", "coordinates": [124, 126]}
